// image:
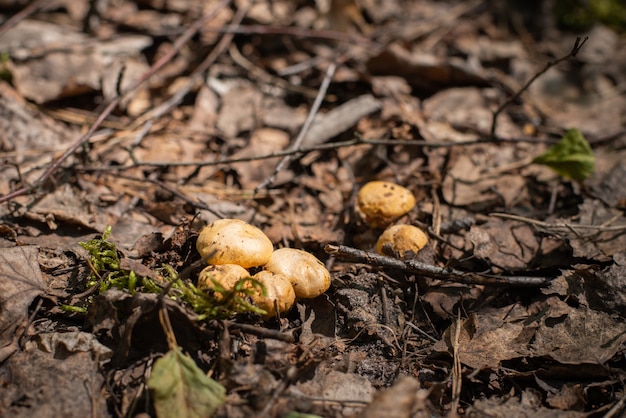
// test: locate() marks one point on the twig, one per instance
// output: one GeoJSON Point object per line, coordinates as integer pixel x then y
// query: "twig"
{"type": "Point", "coordinates": [301, 32]}
{"type": "Point", "coordinates": [180, 42]}
{"type": "Point", "coordinates": [457, 374]}
{"type": "Point", "coordinates": [330, 71]}
{"type": "Point", "coordinates": [617, 409]}
{"type": "Point", "coordinates": [565, 227]}
{"type": "Point", "coordinates": [304, 150]}
{"type": "Point", "coordinates": [422, 332]}
{"type": "Point", "coordinates": [21, 15]}
{"type": "Point", "coordinates": [265, 77]}
{"type": "Point", "coordinates": [196, 75]}
{"type": "Point", "coordinates": [575, 50]}
{"type": "Point", "coordinates": [261, 332]}
{"type": "Point", "coordinates": [441, 273]}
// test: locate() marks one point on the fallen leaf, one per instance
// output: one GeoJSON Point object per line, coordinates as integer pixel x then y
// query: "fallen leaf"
{"type": "Point", "coordinates": [182, 390]}
{"type": "Point", "coordinates": [571, 157]}
{"type": "Point", "coordinates": [606, 239]}
{"type": "Point", "coordinates": [20, 282]}
{"type": "Point", "coordinates": [56, 384]}
{"type": "Point", "coordinates": [504, 244]}
{"type": "Point", "coordinates": [400, 400]}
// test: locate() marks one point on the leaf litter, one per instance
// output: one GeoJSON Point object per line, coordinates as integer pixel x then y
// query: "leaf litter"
{"type": "Point", "coordinates": [431, 95]}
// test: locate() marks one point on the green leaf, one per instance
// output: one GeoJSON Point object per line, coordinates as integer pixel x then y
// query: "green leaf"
{"type": "Point", "coordinates": [182, 390]}
{"type": "Point", "coordinates": [571, 157]}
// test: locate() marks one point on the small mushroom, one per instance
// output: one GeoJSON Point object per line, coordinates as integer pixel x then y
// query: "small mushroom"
{"type": "Point", "coordinates": [401, 241]}
{"type": "Point", "coordinates": [226, 275]}
{"type": "Point", "coordinates": [233, 241]}
{"type": "Point", "coordinates": [308, 276]}
{"type": "Point", "coordinates": [379, 203]}
{"type": "Point", "coordinates": [279, 293]}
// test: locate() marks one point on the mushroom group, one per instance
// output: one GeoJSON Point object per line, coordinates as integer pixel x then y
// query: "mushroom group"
{"type": "Point", "coordinates": [379, 204]}
{"type": "Point", "coordinates": [231, 246]}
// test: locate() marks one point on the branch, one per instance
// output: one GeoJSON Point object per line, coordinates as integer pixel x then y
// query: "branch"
{"type": "Point", "coordinates": [330, 72]}
{"type": "Point", "coordinates": [442, 273]}
{"type": "Point", "coordinates": [304, 150]}
{"type": "Point", "coordinates": [575, 50]}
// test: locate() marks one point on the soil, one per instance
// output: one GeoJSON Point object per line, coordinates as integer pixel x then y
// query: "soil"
{"type": "Point", "coordinates": [156, 118]}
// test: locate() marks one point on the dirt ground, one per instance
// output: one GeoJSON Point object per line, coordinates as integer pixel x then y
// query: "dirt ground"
{"type": "Point", "coordinates": [158, 117]}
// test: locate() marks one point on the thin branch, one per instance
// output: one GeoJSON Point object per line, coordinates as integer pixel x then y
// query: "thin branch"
{"type": "Point", "coordinates": [321, 147]}
{"type": "Point", "coordinates": [575, 50]}
{"type": "Point", "coordinates": [21, 15]}
{"type": "Point", "coordinates": [565, 227]}
{"type": "Point", "coordinates": [196, 76]}
{"type": "Point", "coordinates": [176, 47]}
{"type": "Point", "coordinates": [299, 32]}
{"type": "Point", "coordinates": [261, 332]}
{"type": "Point", "coordinates": [442, 273]}
{"type": "Point", "coordinates": [295, 148]}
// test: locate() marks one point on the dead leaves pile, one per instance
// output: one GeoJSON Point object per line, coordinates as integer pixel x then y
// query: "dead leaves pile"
{"type": "Point", "coordinates": [411, 101]}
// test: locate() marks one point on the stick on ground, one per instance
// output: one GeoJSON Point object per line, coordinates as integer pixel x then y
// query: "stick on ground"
{"type": "Point", "coordinates": [442, 273]}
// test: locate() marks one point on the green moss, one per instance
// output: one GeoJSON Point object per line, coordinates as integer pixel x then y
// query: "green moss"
{"type": "Point", "coordinates": [106, 273]}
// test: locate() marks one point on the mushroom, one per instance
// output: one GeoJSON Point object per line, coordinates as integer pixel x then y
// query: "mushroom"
{"type": "Point", "coordinates": [401, 241]}
{"type": "Point", "coordinates": [379, 203]}
{"type": "Point", "coordinates": [226, 275]}
{"type": "Point", "coordinates": [233, 241]}
{"type": "Point", "coordinates": [308, 276]}
{"type": "Point", "coordinates": [278, 293]}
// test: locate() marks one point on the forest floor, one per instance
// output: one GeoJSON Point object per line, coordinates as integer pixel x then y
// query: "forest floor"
{"type": "Point", "coordinates": [158, 117]}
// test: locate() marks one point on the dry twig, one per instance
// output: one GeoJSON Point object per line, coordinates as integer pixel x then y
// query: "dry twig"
{"type": "Point", "coordinates": [295, 148]}
{"type": "Point", "coordinates": [565, 228]}
{"type": "Point", "coordinates": [442, 273]}
{"type": "Point", "coordinates": [575, 50]}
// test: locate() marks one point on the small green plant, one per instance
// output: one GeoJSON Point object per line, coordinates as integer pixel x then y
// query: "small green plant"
{"type": "Point", "coordinates": [572, 157]}
{"type": "Point", "coordinates": [5, 72]}
{"type": "Point", "coordinates": [106, 273]}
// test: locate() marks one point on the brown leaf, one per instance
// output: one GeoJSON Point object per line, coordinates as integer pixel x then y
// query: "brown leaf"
{"type": "Point", "coordinates": [575, 336]}
{"type": "Point", "coordinates": [403, 399]}
{"type": "Point", "coordinates": [54, 384]}
{"type": "Point", "coordinates": [598, 244]}
{"type": "Point", "coordinates": [504, 244]}
{"type": "Point", "coordinates": [20, 282]}
{"type": "Point", "coordinates": [422, 70]}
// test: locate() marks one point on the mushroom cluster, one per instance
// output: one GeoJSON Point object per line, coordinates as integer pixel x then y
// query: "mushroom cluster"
{"type": "Point", "coordinates": [231, 246]}
{"type": "Point", "coordinates": [379, 204]}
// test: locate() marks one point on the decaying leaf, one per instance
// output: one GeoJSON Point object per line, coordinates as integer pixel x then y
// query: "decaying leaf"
{"type": "Point", "coordinates": [20, 282]}
{"type": "Point", "coordinates": [550, 329]}
{"type": "Point", "coordinates": [182, 390]}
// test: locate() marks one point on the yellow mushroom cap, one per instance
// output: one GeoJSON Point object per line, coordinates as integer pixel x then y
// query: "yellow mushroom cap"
{"type": "Point", "coordinates": [277, 288]}
{"type": "Point", "coordinates": [233, 241]}
{"type": "Point", "coordinates": [225, 274]}
{"type": "Point", "coordinates": [381, 202]}
{"type": "Point", "coordinates": [308, 275]}
{"type": "Point", "coordinates": [401, 241]}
